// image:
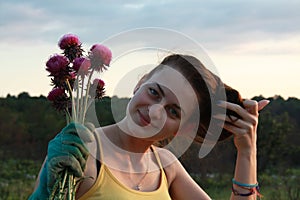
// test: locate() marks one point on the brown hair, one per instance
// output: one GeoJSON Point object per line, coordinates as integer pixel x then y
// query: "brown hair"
{"type": "Point", "coordinates": [208, 88]}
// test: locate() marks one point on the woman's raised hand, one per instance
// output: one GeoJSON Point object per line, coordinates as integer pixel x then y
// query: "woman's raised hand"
{"type": "Point", "coordinates": [244, 128]}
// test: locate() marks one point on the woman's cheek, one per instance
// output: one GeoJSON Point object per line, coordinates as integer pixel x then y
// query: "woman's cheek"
{"type": "Point", "coordinates": [171, 127]}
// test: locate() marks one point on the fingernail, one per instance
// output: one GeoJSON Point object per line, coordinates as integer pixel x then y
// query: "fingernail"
{"type": "Point", "coordinates": [219, 116]}
{"type": "Point", "coordinates": [220, 103]}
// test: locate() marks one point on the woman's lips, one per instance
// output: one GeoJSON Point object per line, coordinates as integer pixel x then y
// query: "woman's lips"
{"type": "Point", "coordinates": [144, 120]}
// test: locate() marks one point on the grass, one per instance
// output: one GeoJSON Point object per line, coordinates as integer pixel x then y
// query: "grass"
{"type": "Point", "coordinates": [283, 185]}
{"type": "Point", "coordinates": [17, 179]}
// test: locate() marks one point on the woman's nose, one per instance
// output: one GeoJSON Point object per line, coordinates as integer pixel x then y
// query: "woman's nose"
{"type": "Point", "coordinates": [157, 112]}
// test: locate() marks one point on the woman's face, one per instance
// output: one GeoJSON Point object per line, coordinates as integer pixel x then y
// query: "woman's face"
{"type": "Point", "coordinates": [161, 104]}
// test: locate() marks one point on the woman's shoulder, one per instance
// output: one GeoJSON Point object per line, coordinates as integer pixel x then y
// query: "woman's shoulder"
{"type": "Point", "coordinates": [165, 155]}
{"type": "Point", "coordinates": [169, 162]}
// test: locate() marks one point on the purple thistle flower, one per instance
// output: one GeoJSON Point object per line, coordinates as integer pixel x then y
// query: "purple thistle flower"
{"type": "Point", "coordinates": [81, 66]}
{"type": "Point", "coordinates": [71, 45]}
{"type": "Point", "coordinates": [57, 65]}
{"type": "Point", "coordinates": [97, 89]}
{"type": "Point", "coordinates": [68, 40]}
{"type": "Point", "coordinates": [100, 57]}
{"type": "Point", "coordinates": [60, 100]}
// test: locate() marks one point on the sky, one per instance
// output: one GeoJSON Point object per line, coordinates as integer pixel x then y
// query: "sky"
{"type": "Point", "coordinates": [254, 46]}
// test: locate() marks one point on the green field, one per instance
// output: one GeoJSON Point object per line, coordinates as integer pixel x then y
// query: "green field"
{"type": "Point", "coordinates": [17, 178]}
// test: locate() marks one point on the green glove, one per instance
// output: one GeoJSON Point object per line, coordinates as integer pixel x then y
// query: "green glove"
{"type": "Point", "coordinates": [67, 150]}
{"type": "Point", "coordinates": [41, 192]}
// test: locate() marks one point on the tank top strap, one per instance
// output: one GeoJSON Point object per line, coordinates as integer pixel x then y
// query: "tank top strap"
{"type": "Point", "coordinates": [99, 153]}
{"type": "Point", "coordinates": [156, 156]}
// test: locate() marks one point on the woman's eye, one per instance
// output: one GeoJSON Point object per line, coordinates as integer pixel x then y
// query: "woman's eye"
{"type": "Point", "coordinates": [153, 92]}
{"type": "Point", "coordinates": [173, 112]}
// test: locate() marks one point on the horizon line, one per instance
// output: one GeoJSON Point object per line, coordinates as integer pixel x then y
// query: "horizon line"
{"type": "Point", "coordinates": [275, 96]}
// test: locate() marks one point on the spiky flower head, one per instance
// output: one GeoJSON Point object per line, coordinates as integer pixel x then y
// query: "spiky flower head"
{"type": "Point", "coordinates": [81, 66]}
{"type": "Point", "coordinates": [98, 90]}
{"type": "Point", "coordinates": [100, 57]}
{"type": "Point", "coordinates": [71, 45]}
{"type": "Point", "coordinates": [60, 100]}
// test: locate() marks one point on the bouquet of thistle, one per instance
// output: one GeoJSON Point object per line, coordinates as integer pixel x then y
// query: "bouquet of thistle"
{"type": "Point", "coordinates": [73, 91]}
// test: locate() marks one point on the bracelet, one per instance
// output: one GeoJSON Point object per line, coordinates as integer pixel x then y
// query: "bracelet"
{"type": "Point", "coordinates": [253, 190]}
{"type": "Point", "coordinates": [244, 184]}
{"type": "Point", "coordinates": [236, 193]}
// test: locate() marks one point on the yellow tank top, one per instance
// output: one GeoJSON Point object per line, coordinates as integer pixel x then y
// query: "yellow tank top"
{"type": "Point", "coordinates": [107, 187]}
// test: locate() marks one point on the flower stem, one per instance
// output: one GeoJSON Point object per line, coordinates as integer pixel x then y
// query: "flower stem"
{"type": "Point", "coordinates": [62, 186]}
{"type": "Point", "coordinates": [68, 116]}
{"type": "Point", "coordinates": [73, 102]}
{"type": "Point", "coordinates": [70, 186]}
{"type": "Point", "coordinates": [77, 100]}
{"type": "Point", "coordinates": [87, 94]}
{"type": "Point", "coordinates": [82, 101]}
{"type": "Point", "coordinates": [55, 188]}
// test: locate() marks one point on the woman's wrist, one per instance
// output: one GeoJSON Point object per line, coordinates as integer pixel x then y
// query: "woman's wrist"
{"type": "Point", "coordinates": [245, 174]}
{"type": "Point", "coordinates": [246, 166]}
{"type": "Point", "coordinates": [248, 152]}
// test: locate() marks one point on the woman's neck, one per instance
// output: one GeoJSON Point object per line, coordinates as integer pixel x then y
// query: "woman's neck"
{"type": "Point", "coordinates": [124, 140]}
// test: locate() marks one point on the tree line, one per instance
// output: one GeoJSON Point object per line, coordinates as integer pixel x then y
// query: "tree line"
{"type": "Point", "coordinates": [28, 123]}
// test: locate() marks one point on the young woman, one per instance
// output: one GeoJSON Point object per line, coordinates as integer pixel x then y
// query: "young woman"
{"type": "Point", "coordinates": [179, 97]}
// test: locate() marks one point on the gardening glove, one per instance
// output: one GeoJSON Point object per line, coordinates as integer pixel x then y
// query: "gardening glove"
{"type": "Point", "coordinates": [41, 192]}
{"type": "Point", "coordinates": [67, 150]}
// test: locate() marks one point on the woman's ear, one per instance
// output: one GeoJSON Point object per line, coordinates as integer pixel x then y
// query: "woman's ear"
{"type": "Point", "coordinates": [141, 81]}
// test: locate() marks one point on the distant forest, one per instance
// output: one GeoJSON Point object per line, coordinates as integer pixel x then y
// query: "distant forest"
{"type": "Point", "coordinates": [28, 123]}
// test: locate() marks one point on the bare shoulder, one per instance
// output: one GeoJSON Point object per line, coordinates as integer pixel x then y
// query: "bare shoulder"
{"type": "Point", "coordinates": [181, 184]}
{"type": "Point", "coordinates": [169, 162]}
{"type": "Point", "coordinates": [166, 156]}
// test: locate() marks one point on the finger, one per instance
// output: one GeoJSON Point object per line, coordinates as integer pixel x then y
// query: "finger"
{"type": "Point", "coordinates": [75, 142]}
{"type": "Point", "coordinates": [58, 164]}
{"type": "Point", "coordinates": [251, 106]}
{"type": "Point", "coordinates": [239, 110]}
{"type": "Point", "coordinates": [239, 123]}
{"type": "Point", "coordinates": [86, 135]}
{"type": "Point", "coordinates": [234, 129]}
{"type": "Point", "coordinates": [76, 153]}
{"type": "Point", "coordinates": [262, 104]}
{"type": "Point", "coordinates": [82, 131]}
{"type": "Point", "coordinates": [75, 166]}
{"type": "Point", "coordinates": [90, 126]}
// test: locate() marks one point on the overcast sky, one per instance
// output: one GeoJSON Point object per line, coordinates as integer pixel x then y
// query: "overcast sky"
{"type": "Point", "coordinates": [255, 45]}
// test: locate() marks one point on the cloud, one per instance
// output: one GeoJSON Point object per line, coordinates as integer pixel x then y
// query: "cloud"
{"type": "Point", "coordinates": [217, 24]}
{"type": "Point", "coordinates": [228, 29]}
{"type": "Point", "coordinates": [264, 15]}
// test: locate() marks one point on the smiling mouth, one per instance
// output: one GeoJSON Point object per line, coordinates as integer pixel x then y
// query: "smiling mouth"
{"type": "Point", "coordinates": [144, 120]}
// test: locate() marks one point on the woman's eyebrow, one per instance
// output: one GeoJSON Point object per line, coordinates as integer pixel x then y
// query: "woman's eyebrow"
{"type": "Point", "coordinates": [160, 89]}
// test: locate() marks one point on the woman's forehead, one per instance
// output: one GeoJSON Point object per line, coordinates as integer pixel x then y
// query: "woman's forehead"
{"type": "Point", "coordinates": [167, 77]}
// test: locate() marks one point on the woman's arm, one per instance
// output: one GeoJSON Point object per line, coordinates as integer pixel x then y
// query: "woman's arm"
{"type": "Point", "coordinates": [183, 186]}
{"type": "Point", "coordinates": [37, 182]}
{"type": "Point", "coordinates": [245, 135]}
